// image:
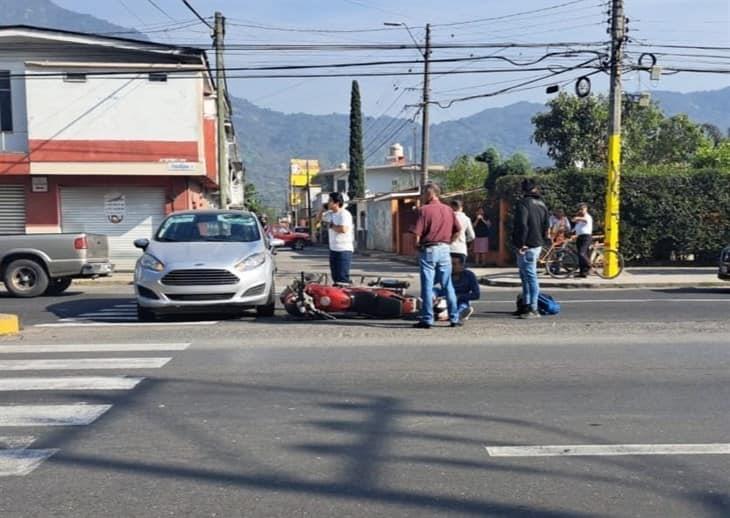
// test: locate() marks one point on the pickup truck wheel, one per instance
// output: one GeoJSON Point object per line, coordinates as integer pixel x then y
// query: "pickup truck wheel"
{"type": "Point", "coordinates": [58, 285]}
{"type": "Point", "coordinates": [26, 278]}
{"type": "Point", "coordinates": [268, 309]}
{"type": "Point", "coordinates": [298, 245]}
{"type": "Point", "coordinates": [145, 314]}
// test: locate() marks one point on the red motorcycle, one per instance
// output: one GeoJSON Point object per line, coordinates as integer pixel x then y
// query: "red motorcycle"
{"type": "Point", "coordinates": [311, 297]}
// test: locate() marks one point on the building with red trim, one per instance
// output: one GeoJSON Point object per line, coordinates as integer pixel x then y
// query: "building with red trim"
{"type": "Point", "coordinates": [106, 135]}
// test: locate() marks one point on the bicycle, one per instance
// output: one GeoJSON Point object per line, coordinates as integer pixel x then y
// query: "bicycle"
{"type": "Point", "coordinates": [562, 261]}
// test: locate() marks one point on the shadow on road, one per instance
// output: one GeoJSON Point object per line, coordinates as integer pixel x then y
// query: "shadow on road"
{"type": "Point", "coordinates": [361, 432]}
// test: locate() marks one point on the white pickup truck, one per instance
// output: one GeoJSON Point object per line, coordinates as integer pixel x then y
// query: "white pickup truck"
{"type": "Point", "coordinates": [38, 264]}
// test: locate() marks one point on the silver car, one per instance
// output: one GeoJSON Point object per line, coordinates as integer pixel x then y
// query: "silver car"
{"type": "Point", "coordinates": [205, 260]}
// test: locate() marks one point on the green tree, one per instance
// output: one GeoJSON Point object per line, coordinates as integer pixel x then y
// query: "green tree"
{"type": "Point", "coordinates": [465, 174]}
{"type": "Point", "coordinates": [575, 130]}
{"type": "Point", "coordinates": [713, 156]}
{"type": "Point", "coordinates": [356, 177]}
{"type": "Point", "coordinates": [497, 168]}
{"type": "Point", "coordinates": [253, 200]}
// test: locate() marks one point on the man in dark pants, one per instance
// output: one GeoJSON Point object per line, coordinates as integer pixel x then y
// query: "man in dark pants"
{"type": "Point", "coordinates": [341, 238]}
{"type": "Point", "coordinates": [530, 231]}
{"type": "Point", "coordinates": [584, 235]}
{"type": "Point", "coordinates": [436, 228]}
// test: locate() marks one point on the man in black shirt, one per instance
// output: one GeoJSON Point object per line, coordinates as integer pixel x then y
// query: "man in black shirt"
{"type": "Point", "coordinates": [530, 231]}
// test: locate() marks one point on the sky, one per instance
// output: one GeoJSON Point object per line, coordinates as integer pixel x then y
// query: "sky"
{"type": "Point", "coordinates": [699, 23]}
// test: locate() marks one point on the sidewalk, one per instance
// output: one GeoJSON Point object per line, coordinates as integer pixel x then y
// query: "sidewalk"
{"type": "Point", "coordinates": [640, 277]}
{"type": "Point", "coordinates": [643, 277]}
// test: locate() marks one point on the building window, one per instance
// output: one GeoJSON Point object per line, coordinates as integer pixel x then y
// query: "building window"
{"type": "Point", "coordinates": [74, 77]}
{"type": "Point", "coordinates": [6, 102]}
{"type": "Point", "coordinates": [341, 185]}
{"type": "Point", "coordinates": [158, 77]}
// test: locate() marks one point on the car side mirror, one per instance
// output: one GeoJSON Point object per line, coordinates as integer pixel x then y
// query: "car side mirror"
{"type": "Point", "coordinates": [142, 244]}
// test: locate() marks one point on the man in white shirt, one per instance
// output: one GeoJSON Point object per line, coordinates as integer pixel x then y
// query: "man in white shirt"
{"type": "Point", "coordinates": [341, 238]}
{"type": "Point", "coordinates": [466, 235]}
{"type": "Point", "coordinates": [584, 232]}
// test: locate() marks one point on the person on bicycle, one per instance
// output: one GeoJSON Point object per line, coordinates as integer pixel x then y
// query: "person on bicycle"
{"type": "Point", "coordinates": [559, 226]}
{"type": "Point", "coordinates": [584, 232]}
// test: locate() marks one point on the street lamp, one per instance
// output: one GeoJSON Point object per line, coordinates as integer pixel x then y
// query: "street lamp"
{"type": "Point", "coordinates": [425, 52]}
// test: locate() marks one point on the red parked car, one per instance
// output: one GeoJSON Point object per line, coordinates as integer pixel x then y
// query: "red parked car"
{"type": "Point", "coordinates": [293, 239]}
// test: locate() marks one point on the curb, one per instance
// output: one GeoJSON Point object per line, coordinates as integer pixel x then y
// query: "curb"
{"type": "Point", "coordinates": [484, 281]}
{"type": "Point", "coordinates": [396, 259]}
{"type": "Point", "coordinates": [9, 325]}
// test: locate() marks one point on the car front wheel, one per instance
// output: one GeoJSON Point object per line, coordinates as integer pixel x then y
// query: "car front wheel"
{"type": "Point", "coordinates": [268, 309]}
{"type": "Point", "coordinates": [145, 315]}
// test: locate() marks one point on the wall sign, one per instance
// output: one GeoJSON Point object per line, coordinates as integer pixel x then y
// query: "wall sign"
{"type": "Point", "coordinates": [39, 183]}
{"type": "Point", "coordinates": [115, 207]}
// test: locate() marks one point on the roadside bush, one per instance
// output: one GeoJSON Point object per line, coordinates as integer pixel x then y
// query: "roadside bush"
{"type": "Point", "coordinates": [665, 214]}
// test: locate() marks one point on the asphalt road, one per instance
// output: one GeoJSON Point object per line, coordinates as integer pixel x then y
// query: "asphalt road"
{"type": "Point", "coordinates": [372, 418]}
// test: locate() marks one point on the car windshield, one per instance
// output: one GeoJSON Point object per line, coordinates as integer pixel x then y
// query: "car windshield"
{"type": "Point", "coordinates": [186, 228]}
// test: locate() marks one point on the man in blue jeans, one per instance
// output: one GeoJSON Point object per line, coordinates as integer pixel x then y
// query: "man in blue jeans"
{"type": "Point", "coordinates": [436, 228]}
{"type": "Point", "coordinates": [341, 238]}
{"type": "Point", "coordinates": [530, 231]}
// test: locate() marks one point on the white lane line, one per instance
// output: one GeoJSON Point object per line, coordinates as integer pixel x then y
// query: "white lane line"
{"type": "Point", "coordinates": [16, 442]}
{"type": "Point", "coordinates": [83, 348]}
{"type": "Point", "coordinates": [51, 415]}
{"type": "Point", "coordinates": [83, 364]}
{"type": "Point", "coordinates": [81, 323]}
{"type": "Point", "coordinates": [106, 317]}
{"type": "Point", "coordinates": [579, 450]}
{"type": "Point", "coordinates": [609, 301]}
{"type": "Point", "coordinates": [18, 463]}
{"type": "Point", "coordinates": [69, 383]}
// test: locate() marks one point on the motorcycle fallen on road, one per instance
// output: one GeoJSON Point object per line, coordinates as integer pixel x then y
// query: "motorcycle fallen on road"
{"type": "Point", "coordinates": [311, 297]}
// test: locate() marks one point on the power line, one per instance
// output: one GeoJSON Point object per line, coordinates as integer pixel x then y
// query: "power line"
{"type": "Point", "coordinates": [513, 15]}
{"type": "Point", "coordinates": [197, 14]}
{"type": "Point", "coordinates": [156, 6]}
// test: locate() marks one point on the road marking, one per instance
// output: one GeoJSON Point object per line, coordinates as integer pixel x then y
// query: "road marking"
{"type": "Point", "coordinates": [609, 301]}
{"type": "Point", "coordinates": [83, 348]}
{"type": "Point", "coordinates": [18, 463]}
{"type": "Point", "coordinates": [69, 383]}
{"type": "Point", "coordinates": [51, 415]}
{"type": "Point", "coordinates": [609, 450]}
{"type": "Point", "coordinates": [16, 442]}
{"type": "Point", "coordinates": [83, 364]}
{"type": "Point", "coordinates": [81, 323]}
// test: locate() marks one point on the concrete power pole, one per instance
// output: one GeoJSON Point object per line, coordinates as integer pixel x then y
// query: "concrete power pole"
{"type": "Point", "coordinates": [223, 173]}
{"type": "Point", "coordinates": [613, 184]}
{"type": "Point", "coordinates": [426, 95]}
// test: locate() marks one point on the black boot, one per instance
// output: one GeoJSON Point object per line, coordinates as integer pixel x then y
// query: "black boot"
{"type": "Point", "coordinates": [521, 310]}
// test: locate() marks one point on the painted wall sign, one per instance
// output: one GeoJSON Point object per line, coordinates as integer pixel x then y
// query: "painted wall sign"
{"type": "Point", "coordinates": [115, 207]}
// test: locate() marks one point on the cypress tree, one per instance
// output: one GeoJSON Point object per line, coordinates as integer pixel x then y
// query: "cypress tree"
{"type": "Point", "coordinates": [356, 178]}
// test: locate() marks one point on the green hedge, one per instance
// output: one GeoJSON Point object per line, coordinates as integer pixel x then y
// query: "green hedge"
{"type": "Point", "coordinates": [664, 214]}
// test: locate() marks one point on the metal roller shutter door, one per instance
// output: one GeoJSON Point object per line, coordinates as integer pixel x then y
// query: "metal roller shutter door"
{"type": "Point", "coordinates": [87, 209]}
{"type": "Point", "coordinates": [12, 209]}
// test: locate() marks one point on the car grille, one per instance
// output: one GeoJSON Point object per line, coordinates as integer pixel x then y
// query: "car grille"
{"type": "Point", "coordinates": [256, 290]}
{"type": "Point", "coordinates": [199, 278]}
{"type": "Point", "coordinates": [201, 297]}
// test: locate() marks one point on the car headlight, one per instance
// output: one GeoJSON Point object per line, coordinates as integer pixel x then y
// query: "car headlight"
{"type": "Point", "coordinates": [150, 262]}
{"type": "Point", "coordinates": [251, 262]}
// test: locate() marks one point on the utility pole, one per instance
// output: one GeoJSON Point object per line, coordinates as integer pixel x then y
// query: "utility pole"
{"type": "Point", "coordinates": [426, 96]}
{"type": "Point", "coordinates": [613, 182]}
{"type": "Point", "coordinates": [223, 180]}
{"type": "Point", "coordinates": [309, 203]}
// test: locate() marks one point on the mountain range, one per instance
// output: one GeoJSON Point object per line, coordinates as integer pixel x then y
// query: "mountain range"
{"type": "Point", "coordinates": [268, 139]}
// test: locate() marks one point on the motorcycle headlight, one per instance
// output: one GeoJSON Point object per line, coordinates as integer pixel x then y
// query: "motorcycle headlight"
{"type": "Point", "coordinates": [251, 262]}
{"type": "Point", "coordinates": [150, 262]}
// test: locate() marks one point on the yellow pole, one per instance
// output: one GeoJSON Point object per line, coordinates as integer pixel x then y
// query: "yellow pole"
{"type": "Point", "coordinates": [613, 181]}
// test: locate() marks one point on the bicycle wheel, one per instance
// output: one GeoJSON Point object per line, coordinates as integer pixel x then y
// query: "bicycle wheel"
{"type": "Point", "coordinates": [562, 263]}
{"type": "Point", "coordinates": [599, 262]}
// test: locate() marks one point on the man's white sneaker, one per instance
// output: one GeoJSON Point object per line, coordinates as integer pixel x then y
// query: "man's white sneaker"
{"type": "Point", "coordinates": [466, 313]}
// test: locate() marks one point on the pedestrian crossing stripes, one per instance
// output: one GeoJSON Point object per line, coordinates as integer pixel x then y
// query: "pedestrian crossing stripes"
{"type": "Point", "coordinates": [17, 458]}
{"type": "Point", "coordinates": [69, 383]}
{"type": "Point", "coordinates": [83, 363]}
{"type": "Point", "coordinates": [122, 314]}
{"type": "Point", "coordinates": [51, 415]}
{"type": "Point", "coordinates": [86, 348]}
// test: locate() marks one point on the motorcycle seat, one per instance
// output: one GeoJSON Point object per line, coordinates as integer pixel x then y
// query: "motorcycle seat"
{"type": "Point", "coordinates": [394, 284]}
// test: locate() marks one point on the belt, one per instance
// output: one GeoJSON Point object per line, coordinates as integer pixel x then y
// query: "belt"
{"type": "Point", "coordinates": [437, 243]}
